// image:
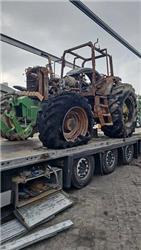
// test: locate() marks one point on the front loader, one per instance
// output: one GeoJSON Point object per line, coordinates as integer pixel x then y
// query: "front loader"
{"type": "Point", "coordinates": [65, 109]}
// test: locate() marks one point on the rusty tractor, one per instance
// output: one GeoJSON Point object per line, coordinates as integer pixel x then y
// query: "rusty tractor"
{"type": "Point", "coordinates": [65, 109]}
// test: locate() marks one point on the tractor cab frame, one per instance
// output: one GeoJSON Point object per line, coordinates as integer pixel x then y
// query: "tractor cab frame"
{"type": "Point", "coordinates": [100, 84]}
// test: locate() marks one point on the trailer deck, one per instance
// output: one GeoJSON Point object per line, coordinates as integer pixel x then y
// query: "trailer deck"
{"type": "Point", "coordinates": [15, 154]}
{"type": "Point", "coordinates": [21, 158]}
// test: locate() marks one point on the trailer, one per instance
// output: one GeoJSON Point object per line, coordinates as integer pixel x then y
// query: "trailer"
{"type": "Point", "coordinates": [76, 166]}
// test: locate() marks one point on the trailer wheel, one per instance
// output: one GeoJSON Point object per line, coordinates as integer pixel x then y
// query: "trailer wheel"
{"type": "Point", "coordinates": [128, 152]}
{"type": "Point", "coordinates": [109, 161]}
{"type": "Point", "coordinates": [82, 171]}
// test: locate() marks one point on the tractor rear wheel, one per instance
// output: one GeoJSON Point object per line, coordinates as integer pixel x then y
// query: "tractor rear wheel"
{"type": "Point", "coordinates": [123, 108]}
{"type": "Point", "coordinates": [65, 121]}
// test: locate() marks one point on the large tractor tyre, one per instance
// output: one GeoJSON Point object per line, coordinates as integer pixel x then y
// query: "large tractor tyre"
{"type": "Point", "coordinates": [65, 121]}
{"type": "Point", "coordinates": [123, 108]}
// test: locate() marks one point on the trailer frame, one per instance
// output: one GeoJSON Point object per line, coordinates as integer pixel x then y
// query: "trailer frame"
{"type": "Point", "coordinates": [95, 148]}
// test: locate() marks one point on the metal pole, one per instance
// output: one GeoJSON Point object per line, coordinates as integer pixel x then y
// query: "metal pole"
{"type": "Point", "coordinates": [32, 49]}
{"type": "Point", "coordinates": [106, 27]}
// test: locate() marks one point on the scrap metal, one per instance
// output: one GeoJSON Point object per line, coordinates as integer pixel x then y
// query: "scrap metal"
{"type": "Point", "coordinates": [37, 236]}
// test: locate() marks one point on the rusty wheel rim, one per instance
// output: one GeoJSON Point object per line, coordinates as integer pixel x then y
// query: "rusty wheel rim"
{"type": "Point", "coordinates": [125, 113]}
{"type": "Point", "coordinates": [75, 124]}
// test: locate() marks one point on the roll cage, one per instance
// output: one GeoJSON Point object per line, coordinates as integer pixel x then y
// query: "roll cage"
{"type": "Point", "coordinates": [102, 53]}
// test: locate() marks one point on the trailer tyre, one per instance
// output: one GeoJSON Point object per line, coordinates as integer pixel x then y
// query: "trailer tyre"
{"type": "Point", "coordinates": [82, 171]}
{"type": "Point", "coordinates": [109, 161]}
{"type": "Point", "coordinates": [128, 153]}
{"type": "Point", "coordinates": [65, 121]}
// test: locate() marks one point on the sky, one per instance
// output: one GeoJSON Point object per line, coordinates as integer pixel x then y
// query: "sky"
{"type": "Point", "coordinates": [54, 26]}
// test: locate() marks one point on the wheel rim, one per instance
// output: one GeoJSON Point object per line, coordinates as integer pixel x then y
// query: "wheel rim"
{"type": "Point", "coordinates": [110, 159]}
{"type": "Point", "coordinates": [128, 153]}
{"type": "Point", "coordinates": [75, 124]}
{"type": "Point", "coordinates": [82, 168]}
{"type": "Point", "coordinates": [128, 110]}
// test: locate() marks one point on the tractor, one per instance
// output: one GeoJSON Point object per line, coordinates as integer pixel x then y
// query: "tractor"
{"type": "Point", "coordinates": [65, 109]}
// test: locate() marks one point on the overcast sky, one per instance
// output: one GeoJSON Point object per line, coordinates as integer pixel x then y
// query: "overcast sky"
{"type": "Point", "coordinates": [54, 26]}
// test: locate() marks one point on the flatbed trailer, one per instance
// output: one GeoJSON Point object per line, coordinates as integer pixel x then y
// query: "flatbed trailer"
{"type": "Point", "coordinates": [19, 155]}
{"type": "Point", "coordinates": [76, 165]}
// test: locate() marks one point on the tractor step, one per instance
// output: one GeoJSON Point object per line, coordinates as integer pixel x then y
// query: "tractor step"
{"type": "Point", "coordinates": [108, 124]}
{"type": "Point", "coordinates": [107, 114]}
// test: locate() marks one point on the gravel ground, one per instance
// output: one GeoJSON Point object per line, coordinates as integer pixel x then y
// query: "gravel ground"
{"type": "Point", "coordinates": [106, 214]}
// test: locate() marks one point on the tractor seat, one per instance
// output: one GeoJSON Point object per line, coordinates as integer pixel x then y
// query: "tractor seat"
{"type": "Point", "coordinates": [87, 71]}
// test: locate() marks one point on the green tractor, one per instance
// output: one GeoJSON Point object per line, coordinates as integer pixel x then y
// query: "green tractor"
{"type": "Point", "coordinates": [65, 109]}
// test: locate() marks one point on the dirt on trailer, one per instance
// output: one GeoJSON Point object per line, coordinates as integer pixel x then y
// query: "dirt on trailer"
{"type": "Point", "coordinates": [106, 214]}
